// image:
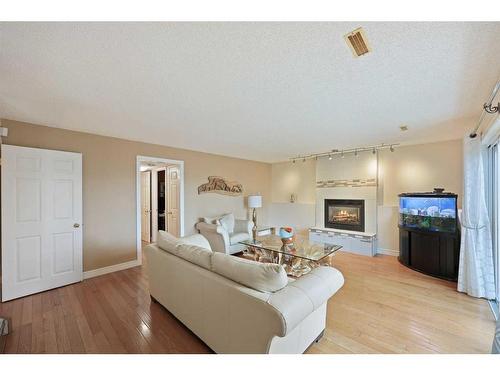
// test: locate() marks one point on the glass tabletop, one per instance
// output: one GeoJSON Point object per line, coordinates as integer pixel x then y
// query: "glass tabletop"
{"type": "Point", "coordinates": [301, 247]}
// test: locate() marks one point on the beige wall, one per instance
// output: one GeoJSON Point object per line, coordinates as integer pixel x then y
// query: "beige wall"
{"type": "Point", "coordinates": [409, 168]}
{"type": "Point", "coordinates": [109, 186]}
{"type": "Point", "coordinates": [294, 178]}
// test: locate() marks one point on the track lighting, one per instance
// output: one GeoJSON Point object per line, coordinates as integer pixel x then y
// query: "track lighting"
{"type": "Point", "coordinates": [356, 151]}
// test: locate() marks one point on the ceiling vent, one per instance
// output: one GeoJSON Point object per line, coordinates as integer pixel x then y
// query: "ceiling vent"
{"type": "Point", "coordinates": [358, 43]}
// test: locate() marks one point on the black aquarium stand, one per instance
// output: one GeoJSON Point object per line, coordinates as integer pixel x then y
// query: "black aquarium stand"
{"type": "Point", "coordinates": [435, 253]}
{"type": "Point", "coordinates": [432, 253]}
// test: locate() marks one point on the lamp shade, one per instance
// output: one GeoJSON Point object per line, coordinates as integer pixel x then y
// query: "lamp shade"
{"type": "Point", "coordinates": [254, 201]}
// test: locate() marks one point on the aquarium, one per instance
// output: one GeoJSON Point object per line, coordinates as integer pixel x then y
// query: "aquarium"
{"type": "Point", "coordinates": [428, 211]}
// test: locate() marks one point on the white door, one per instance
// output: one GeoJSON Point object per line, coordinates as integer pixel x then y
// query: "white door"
{"type": "Point", "coordinates": [146, 206]}
{"type": "Point", "coordinates": [173, 200]}
{"type": "Point", "coordinates": [41, 220]}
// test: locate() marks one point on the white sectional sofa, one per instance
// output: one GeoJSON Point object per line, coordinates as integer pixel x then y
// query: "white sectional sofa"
{"type": "Point", "coordinates": [236, 305]}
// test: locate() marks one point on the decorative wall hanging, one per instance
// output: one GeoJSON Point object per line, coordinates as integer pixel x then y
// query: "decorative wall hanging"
{"type": "Point", "coordinates": [220, 185]}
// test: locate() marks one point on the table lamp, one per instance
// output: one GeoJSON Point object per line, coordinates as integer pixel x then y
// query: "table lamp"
{"type": "Point", "coordinates": [254, 201]}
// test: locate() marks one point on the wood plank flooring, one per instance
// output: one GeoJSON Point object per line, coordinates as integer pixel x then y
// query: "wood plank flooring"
{"type": "Point", "coordinates": [382, 308]}
{"type": "Point", "coordinates": [385, 307]}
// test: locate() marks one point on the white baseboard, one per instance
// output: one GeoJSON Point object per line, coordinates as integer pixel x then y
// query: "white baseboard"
{"type": "Point", "coordinates": [113, 268]}
{"type": "Point", "coordinates": [393, 253]}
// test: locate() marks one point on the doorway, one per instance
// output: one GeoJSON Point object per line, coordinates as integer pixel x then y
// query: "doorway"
{"type": "Point", "coordinates": [160, 199]}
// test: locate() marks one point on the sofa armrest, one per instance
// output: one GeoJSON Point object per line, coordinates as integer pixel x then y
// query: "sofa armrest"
{"type": "Point", "coordinates": [304, 295]}
{"type": "Point", "coordinates": [243, 226]}
{"type": "Point", "coordinates": [216, 235]}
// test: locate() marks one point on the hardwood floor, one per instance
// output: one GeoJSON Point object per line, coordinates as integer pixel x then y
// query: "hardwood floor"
{"type": "Point", "coordinates": [385, 307]}
{"type": "Point", "coordinates": [382, 308]}
{"type": "Point", "coordinates": [107, 314]}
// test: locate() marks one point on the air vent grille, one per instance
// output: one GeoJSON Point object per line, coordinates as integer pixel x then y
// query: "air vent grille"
{"type": "Point", "coordinates": [358, 43]}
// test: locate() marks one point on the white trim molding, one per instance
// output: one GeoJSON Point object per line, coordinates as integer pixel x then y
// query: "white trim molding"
{"type": "Point", "coordinates": [391, 252]}
{"type": "Point", "coordinates": [110, 269]}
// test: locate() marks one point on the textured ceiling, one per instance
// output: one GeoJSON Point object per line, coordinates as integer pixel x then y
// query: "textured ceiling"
{"type": "Point", "coordinates": [261, 91]}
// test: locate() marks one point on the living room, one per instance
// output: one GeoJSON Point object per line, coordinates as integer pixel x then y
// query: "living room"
{"type": "Point", "coordinates": [249, 187]}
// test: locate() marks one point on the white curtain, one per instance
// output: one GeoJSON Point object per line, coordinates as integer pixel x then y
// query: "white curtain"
{"type": "Point", "coordinates": [475, 275]}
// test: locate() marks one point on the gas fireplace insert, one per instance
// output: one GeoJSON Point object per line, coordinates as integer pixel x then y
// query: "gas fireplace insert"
{"type": "Point", "coordinates": [348, 214]}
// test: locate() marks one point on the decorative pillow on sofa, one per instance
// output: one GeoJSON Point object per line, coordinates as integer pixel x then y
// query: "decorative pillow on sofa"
{"type": "Point", "coordinates": [195, 254]}
{"type": "Point", "coordinates": [166, 241]}
{"type": "Point", "coordinates": [227, 222]}
{"type": "Point", "coordinates": [196, 239]}
{"type": "Point", "coordinates": [210, 220]}
{"type": "Point", "coordinates": [265, 277]}
{"type": "Point", "coordinates": [195, 249]}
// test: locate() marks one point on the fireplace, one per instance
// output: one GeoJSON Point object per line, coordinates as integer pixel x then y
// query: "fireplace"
{"type": "Point", "coordinates": [348, 214]}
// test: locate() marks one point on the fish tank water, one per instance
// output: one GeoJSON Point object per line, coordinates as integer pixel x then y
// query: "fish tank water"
{"type": "Point", "coordinates": [428, 211]}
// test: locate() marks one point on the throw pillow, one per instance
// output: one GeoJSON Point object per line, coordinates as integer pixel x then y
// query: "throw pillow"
{"type": "Point", "coordinates": [194, 254]}
{"type": "Point", "coordinates": [227, 222]}
{"type": "Point", "coordinates": [264, 277]}
{"type": "Point", "coordinates": [166, 241]}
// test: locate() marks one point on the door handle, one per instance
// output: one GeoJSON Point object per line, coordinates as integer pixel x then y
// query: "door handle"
{"type": "Point", "coordinates": [76, 225]}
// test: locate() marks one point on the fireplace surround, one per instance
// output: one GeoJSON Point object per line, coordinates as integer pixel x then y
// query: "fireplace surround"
{"type": "Point", "coordinates": [347, 214]}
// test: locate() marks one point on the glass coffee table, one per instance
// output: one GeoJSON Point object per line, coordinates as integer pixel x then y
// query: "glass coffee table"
{"type": "Point", "coordinates": [298, 257]}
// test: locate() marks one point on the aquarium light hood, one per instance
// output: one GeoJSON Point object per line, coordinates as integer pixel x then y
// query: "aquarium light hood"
{"type": "Point", "coordinates": [329, 154]}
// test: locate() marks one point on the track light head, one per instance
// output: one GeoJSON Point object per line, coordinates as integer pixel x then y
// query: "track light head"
{"type": "Point", "coordinates": [355, 152]}
{"type": "Point", "coordinates": [330, 157]}
{"type": "Point", "coordinates": [374, 151]}
{"type": "Point", "coordinates": [293, 161]}
{"type": "Point", "coordinates": [391, 148]}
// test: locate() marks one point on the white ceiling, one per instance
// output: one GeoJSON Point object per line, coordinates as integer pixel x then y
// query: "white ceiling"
{"type": "Point", "coordinates": [261, 91]}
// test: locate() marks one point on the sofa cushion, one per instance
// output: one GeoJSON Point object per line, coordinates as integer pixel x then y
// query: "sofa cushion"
{"type": "Point", "coordinates": [194, 254]}
{"type": "Point", "coordinates": [196, 239]}
{"type": "Point", "coordinates": [194, 249]}
{"type": "Point", "coordinates": [227, 222]}
{"type": "Point", "coordinates": [237, 237]}
{"type": "Point", "coordinates": [264, 277]}
{"type": "Point", "coordinates": [166, 241]}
